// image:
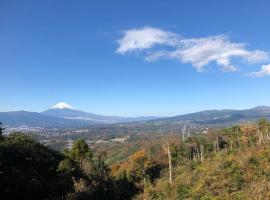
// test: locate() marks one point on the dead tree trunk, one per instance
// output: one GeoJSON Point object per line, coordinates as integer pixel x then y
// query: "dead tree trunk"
{"type": "Point", "coordinates": [167, 150]}
{"type": "Point", "coordinates": [183, 132]}
{"type": "Point", "coordinates": [260, 138]}
{"type": "Point", "coordinates": [202, 152]}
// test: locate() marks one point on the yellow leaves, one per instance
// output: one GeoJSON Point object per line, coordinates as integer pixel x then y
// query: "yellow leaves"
{"type": "Point", "coordinates": [139, 156]}
{"type": "Point", "coordinates": [137, 168]}
{"type": "Point", "coordinates": [119, 170]}
{"type": "Point", "coordinates": [137, 161]}
{"type": "Point", "coordinates": [114, 169]}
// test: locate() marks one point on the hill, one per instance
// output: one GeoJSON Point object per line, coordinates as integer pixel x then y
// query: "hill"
{"type": "Point", "coordinates": [220, 117]}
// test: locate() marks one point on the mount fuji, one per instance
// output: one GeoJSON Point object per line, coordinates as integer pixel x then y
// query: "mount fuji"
{"type": "Point", "coordinates": [61, 115]}
{"type": "Point", "coordinates": [66, 111]}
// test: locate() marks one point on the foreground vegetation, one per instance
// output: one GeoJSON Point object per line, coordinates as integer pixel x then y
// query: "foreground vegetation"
{"type": "Point", "coordinates": [233, 163]}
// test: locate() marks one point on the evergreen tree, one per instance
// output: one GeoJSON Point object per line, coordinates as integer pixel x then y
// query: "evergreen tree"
{"type": "Point", "coordinates": [80, 151]}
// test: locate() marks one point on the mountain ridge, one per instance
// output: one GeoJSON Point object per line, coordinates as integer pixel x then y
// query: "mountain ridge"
{"type": "Point", "coordinates": [222, 116]}
{"type": "Point", "coordinates": [68, 112]}
{"type": "Point", "coordinates": [68, 117]}
{"type": "Point", "coordinates": [62, 115]}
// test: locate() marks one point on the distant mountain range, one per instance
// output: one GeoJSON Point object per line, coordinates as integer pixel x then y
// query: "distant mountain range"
{"type": "Point", "coordinates": [34, 119]}
{"type": "Point", "coordinates": [64, 115]}
{"type": "Point", "coordinates": [221, 117]}
{"type": "Point", "coordinates": [61, 115]}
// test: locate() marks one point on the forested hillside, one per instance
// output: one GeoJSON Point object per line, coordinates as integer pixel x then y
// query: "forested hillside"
{"type": "Point", "coordinates": [232, 163]}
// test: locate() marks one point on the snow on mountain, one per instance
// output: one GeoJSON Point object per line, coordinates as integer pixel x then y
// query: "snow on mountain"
{"type": "Point", "coordinates": [61, 115]}
{"type": "Point", "coordinates": [62, 105]}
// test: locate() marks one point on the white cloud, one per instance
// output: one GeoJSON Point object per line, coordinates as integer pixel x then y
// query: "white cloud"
{"type": "Point", "coordinates": [155, 43]}
{"type": "Point", "coordinates": [265, 71]}
{"type": "Point", "coordinates": [145, 38]}
{"type": "Point", "coordinates": [200, 52]}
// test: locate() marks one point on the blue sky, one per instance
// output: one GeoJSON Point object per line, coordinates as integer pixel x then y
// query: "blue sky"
{"type": "Point", "coordinates": [95, 55]}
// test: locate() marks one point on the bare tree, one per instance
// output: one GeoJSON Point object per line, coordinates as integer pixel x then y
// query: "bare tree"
{"type": "Point", "coordinates": [166, 147]}
{"type": "Point", "coordinates": [202, 152]}
{"type": "Point", "coordinates": [183, 132]}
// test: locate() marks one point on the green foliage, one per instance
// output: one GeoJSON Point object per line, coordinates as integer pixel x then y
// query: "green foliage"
{"type": "Point", "coordinates": [182, 192]}
{"type": "Point", "coordinates": [236, 175]}
{"type": "Point", "coordinates": [80, 150]}
{"type": "Point", "coordinates": [29, 170]}
{"type": "Point", "coordinates": [178, 153]}
{"type": "Point", "coordinates": [253, 161]}
{"type": "Point", "coordinates": [95, 180]}
{"type": "Point", "coordinates": [68, 167]}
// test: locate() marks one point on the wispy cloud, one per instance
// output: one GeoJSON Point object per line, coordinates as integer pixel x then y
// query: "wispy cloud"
{"type": "Point", "coordinates": [265, 71]}
{"type": "Point", "coordinates": [145, 38]}
{"type": "Point", "coordinates": [153, 44]}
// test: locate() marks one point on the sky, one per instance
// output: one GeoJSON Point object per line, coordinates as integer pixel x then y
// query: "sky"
{"type": "Point", "coordinates": [134, 58]}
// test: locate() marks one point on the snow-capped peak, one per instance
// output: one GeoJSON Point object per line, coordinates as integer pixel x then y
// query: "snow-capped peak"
{"type": "Point", "coordinates": [62, 105]}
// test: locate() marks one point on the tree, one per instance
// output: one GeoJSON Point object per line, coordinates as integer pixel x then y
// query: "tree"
{"type": "Point", "coordinates": [139, 166]}
{"type": "Point", "coordinates": [80, 150]}
{"type": "Point", "coordinates": [29, 170]}
{"type": "Point", "coordinates": [166, 147]}
{"type": "Point", "coordinates": [101, 166]}
{"type": "Point", "coordinates": [264, 128]}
